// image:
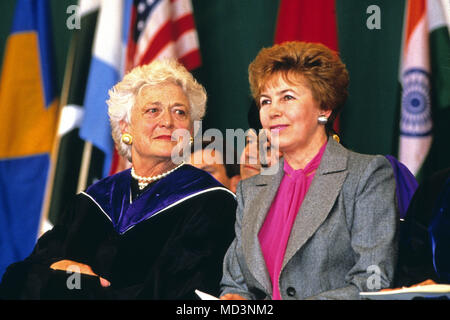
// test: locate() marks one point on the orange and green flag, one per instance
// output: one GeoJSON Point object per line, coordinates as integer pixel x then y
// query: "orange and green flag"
{"type": "Point", "coordinates": [29, 110]}
{"type": "Point", "coordinates": [425, 80]}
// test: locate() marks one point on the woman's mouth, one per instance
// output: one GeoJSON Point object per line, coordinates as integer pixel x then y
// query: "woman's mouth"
{"type": "Point", "coordinates": [278, 128]}
{"type": "Point", "coordinates": [164, 137]}
{"type": "Point", "coordinates": [251, 167]}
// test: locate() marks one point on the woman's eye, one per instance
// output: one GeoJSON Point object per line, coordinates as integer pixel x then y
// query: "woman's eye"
{"type": "Point", "coordinates": [264, 102]}
{"type": "Point", "coordinates": [180, 113]}
{"type": "Point", "coordinates": [151, 110]}
{"type": "Point", "coordinates": [288, 97]}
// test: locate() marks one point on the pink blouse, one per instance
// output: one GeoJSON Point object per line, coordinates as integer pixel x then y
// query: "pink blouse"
{"type": "Point", "coordinates": [275, 231]}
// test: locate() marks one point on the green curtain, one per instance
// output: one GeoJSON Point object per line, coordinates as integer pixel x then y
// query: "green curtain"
{"type": "Point", "coordinates": [231, 32]}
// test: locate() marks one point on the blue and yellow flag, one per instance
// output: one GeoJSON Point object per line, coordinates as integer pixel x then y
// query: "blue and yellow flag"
{"type": "Point", "coordinates": [28, 120]}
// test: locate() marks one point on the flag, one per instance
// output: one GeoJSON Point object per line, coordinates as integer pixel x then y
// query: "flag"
{"type": "Point", "coordinates": [29, 111]}
{"type": "Point", "coordinates": [160, 29]}
{"type": "Point", "coordinates": [439, 41]}
{"type": "Point", "coordinates": [106, 69]}
{"type": "Point", "coordinates": [310, 21]}
{"type": "Point", "coordinates": [65, 168]}
{"type": "Point", "coordinates": [439, 31]}
{"type": "Point", "coordinates": [163, 29]}
{"type": "Point", "coordinates": [415, 120]}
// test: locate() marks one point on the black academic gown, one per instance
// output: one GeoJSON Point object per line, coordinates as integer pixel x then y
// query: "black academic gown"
{"type": "Point", "coordinates": [164, 244]}
{"type": "Point", "coordinates": [416, 258]}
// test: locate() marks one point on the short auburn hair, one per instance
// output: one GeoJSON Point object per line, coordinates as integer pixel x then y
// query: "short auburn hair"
{"type": "Point", "coordinates": [321, 67]}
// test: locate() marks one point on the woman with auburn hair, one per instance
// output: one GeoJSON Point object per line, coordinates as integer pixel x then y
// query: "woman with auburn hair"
{"type": "Point", "coordinates": [327, 220]}
{"type": "Point", "coordinates": [154, 231]}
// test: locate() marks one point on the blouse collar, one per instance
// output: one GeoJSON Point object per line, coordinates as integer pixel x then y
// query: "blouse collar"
{"type": "Point", "coordinates": [310, 166]}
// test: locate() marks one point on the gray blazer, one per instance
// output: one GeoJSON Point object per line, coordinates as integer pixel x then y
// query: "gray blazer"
{"type": "Point", "coordinates": [344, 238]}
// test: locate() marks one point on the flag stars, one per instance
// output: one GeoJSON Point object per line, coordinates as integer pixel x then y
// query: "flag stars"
{"type": "Point", "coordinates": [140, 25]}
{"type": "Point", "coordinates": [141, 7]}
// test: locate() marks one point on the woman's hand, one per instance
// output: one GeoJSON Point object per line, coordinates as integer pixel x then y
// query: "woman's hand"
{"type": "Point", "coordinates": [423, 283]}
{"type": "Point", "coordinates": [69, 265]}
{"type": "Point", "coordinates": [232, 296]}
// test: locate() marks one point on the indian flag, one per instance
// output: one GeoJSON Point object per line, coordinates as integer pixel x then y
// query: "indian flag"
{"type": "Point", "coordinates": [426, 24]}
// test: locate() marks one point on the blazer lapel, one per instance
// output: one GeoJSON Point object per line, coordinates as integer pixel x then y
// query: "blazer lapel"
{"type": "Point", "coordinates": [265, 189]}
{"type": "Point", "coordinates": [319, 199]}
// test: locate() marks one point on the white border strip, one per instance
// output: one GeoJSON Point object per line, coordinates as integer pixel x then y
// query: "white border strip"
{"type": "Point", "coordinates": [87, 195]}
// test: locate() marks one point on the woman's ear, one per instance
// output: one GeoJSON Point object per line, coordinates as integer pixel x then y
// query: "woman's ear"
{"type": "Point", "coordinates": [124, 126]}
{"type": "Point", "coordinates": [326, 113]}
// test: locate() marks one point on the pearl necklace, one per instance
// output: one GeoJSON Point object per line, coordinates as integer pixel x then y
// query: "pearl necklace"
{"type": "Point", "coordinates": [144, 181]}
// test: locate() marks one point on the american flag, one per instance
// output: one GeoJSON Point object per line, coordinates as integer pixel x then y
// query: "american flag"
{"type": "Point", "coordinates": [162, 29]}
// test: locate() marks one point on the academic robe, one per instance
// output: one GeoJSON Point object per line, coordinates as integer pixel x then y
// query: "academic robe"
{"type": "Point", "coordinates": [164, 244]}
{"type": "Point", "coordinates": [421, 257]}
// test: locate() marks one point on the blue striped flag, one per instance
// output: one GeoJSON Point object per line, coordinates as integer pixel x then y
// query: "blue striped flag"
{"type": "Point", "coordinates": [29, 111]}
{"type": "Point", "coordinates": [105, 71]}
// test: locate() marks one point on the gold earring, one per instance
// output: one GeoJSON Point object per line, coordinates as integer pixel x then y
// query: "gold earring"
{"type": "Point", "coordinates": [336, 138]}
{"type": "Point", "coordinates": [127, 138]}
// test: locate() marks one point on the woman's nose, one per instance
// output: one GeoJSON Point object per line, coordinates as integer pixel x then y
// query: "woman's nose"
{"type": "Point", "coordinates": [166, 119]}
{"type": "Point", "coordinates": [275, 110]}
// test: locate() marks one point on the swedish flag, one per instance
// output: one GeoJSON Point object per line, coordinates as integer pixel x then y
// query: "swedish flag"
{"type": "Point", "coordinates": [29, 111]}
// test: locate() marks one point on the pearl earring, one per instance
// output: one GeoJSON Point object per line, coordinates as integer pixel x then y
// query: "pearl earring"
{"type": "Point", "coordinates": [322, 120]}
{"type": "Point", "coordinates": [127, 138]}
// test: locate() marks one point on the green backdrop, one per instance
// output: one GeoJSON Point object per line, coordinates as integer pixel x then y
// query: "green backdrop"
{"type": "Point", "coordinates": [231, 32]}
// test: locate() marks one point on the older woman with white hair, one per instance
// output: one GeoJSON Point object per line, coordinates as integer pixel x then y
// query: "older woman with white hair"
{"type": "Point", "coordinates": [154, 231]}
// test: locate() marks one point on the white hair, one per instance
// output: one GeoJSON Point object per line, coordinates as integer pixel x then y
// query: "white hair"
{"type": "Point", "coordinates": [122, 96]}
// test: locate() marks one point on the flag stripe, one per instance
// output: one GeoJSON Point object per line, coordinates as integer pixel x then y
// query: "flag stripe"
{"type": "Point", "coordinates": [182, 25]}
{"type": "Point", "coordinates": [95, 126]}
{"type": "Point", "coordinates": [71, 116]}
{"type": "Point", "coordinates": [181, 8]}
{"type": "Point", "coordinates": [437, 17]}
{"type": "Point", "coordinates": [416, 51]}
{"type": "Point", "coordinates": [187, 44]}
{"type": "Point", "coordinates": [24, 179]}
{"type": "Point", "coordinates": [27, 129]}
{"type": "Point", "coordinates": [88, 6]}
{"type": "Point", "coordinates": [415, 122]}
{"type": "Point", "coordinates": [63, 178]}
{"type": "Point", "coordinates": [24, 19]}
{"type": "Point", "coordinates": [45, 55]}
{"type": "Point", "coordinates": [158, 42]}
{"type": "Point", "coordinates": [108, 34]}
{"type": "Point", "coordinates": [311, 21]}
{"type": "Point", "coordinates": [105, 71]}
{"type": "Point", "coordinates": [415, 14]}
{"type": "Point", "coordinates": [165, 23]}
{"type": "Point", "coordinates": [163, 44]}
{"type": "Point", "coordinates": [191, 60]}
{"type": "Point", "coordinates": [157, 18]}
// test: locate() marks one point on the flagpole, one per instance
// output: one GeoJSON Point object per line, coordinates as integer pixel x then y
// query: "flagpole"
{"type": "Point", "coordinates": [55, 148]}
{"type": "Point", "coordinates": [84, 170]}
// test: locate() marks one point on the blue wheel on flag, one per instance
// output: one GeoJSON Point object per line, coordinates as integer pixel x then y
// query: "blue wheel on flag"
{"type": "Point", "coordinates": [416, 107]}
